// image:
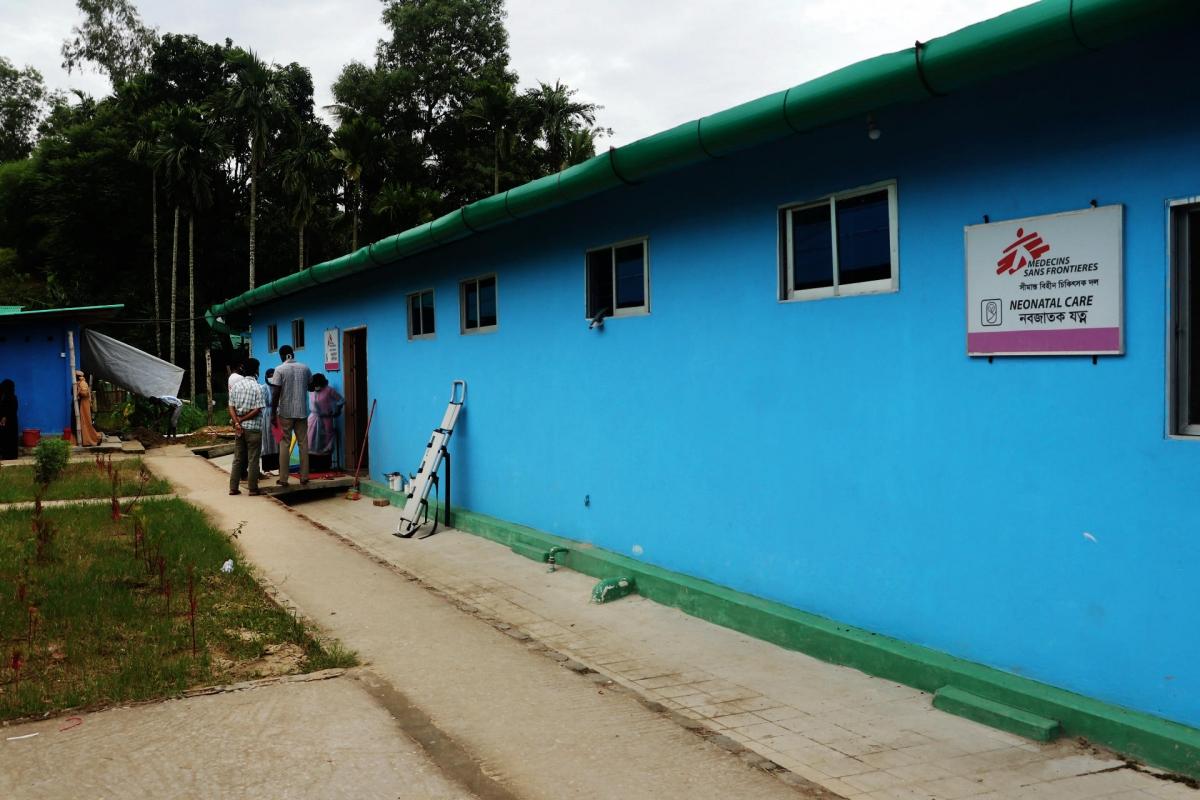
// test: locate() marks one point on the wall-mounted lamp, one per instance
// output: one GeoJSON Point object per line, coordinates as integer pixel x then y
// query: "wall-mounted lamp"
{"type": "Point", "coordinates": [598, 320]}
{"type": "Point", "coordinates": [873, 132]}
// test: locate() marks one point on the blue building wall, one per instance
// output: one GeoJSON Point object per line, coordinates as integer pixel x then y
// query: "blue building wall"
{"type": "Point", "coordinates": [843, 456]}
{"type": "Point", "coordinates": [33, 356]}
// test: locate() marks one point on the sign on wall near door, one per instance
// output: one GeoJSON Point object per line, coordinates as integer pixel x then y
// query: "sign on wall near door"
{"type": "Point", "coordinates": [1048, 285]}
{"type": "Point", "coordinates": [332, 357]}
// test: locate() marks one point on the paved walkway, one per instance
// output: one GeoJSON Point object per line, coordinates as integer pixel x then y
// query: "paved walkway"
{"type": "Point", "coordinates": [531, 728]}
{"type": "Point", "coordinates": [22, 505]}
{"type": "Point", "coordinates": [290, 739]}
{"type": "Point", "coordinates": [856, 736]}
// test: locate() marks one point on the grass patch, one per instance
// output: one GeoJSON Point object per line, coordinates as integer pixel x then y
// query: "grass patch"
{"type": "Point", "coordinates": [78, 481]}
{"type": "Point", "coordinates": [110, 622]}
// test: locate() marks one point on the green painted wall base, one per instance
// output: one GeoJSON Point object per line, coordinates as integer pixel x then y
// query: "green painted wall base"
{"type": "Point", "coordinates": [970, 706]}
{"type": "Point", "coordinates": [1151, 739]}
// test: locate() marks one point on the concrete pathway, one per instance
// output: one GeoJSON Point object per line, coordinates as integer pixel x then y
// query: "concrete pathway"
{"type": "Point", "coordinates": [468, 691]}
{"type": "Point", "coordinates": [22, 505]}
{"type": "Point", "coordinates": [297, 738]}
{"type": "Point", "coordinates": [854, 735]}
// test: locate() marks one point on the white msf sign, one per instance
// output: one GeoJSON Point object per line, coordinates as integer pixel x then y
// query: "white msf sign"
{"type": "Point", "coordinates": [332, 360]}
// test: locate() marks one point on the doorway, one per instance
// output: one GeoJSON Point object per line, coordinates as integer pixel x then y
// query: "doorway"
{"type": "Point", "coordinates": [354, 357]}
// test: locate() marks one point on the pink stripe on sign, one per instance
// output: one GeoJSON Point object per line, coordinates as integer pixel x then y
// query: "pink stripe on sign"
{"type": "Point", "coordinates": [1083, 340]}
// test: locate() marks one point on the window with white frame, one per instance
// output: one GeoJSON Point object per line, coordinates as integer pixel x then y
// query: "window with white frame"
{"type": "Point", "coordinates": [298, 334]}
{"type": "Point", "coordinates": [1185, 319]}
{"type": "Point", "coordinates": [842, 244]}
{"type": "Point", "coordinates": [618, 279]}
{"type": "Point", "coordinates": [272, 338]}
{"type": "Point", "coordinates": [477, 300]}
{"type": "Point", "coordinates": [420, 315]}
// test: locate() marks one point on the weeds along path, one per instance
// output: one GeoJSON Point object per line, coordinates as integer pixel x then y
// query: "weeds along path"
{"type": "Point", "coordinates": [534, 729]}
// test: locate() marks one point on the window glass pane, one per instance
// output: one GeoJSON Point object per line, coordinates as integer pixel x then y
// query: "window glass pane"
{"type": "Point", "coordinates": [427, 312]}
{"type": "Point", "coordinates": [414, 316]}
{"type": "Point", "coordinates": [1192, 265]}
{"type": "Point", "coordinates": [812, 248]}
{"type": "Point", "coordinates": [297, 333]}
{"type": "Point", "coordinates": [487, 302]}
{"type": "Point", "coordinates": [864, 240]}
{"type": "Point", "coordinates": [470, 305]}
{"type": "Point", "coordinates": [631, 280]}
{"type": "Point", "coordinates": [599, 282]}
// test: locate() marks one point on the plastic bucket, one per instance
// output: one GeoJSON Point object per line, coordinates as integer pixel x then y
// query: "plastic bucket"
{"type": "Point", "coordinates": [30, 437]}
{"type": "Point", "coordinates": [395, 481]}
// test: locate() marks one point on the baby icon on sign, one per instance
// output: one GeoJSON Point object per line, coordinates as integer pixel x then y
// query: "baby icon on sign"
{"type": "Point", "coordinates": [992, 312]}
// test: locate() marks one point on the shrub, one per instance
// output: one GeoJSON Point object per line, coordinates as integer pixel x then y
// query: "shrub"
{"type": "Point", "coordinates": [50, 458]}
{"type": "Point", "coordinates": [191, 418]}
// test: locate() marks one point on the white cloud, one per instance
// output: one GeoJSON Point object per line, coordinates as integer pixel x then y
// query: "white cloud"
{"type": "Point", "coordinates": [650, 64]}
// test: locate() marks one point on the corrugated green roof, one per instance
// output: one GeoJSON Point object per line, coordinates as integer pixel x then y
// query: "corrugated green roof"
{"type": "Point", "coordinates": [1026, 37]}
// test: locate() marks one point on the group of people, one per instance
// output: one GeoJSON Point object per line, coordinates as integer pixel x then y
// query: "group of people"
{"type": "Point", "coordinates": [290, 402]}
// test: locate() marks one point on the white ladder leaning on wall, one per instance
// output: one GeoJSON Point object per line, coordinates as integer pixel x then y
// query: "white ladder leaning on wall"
{"type": "Point", "coordinates": [416, 496]}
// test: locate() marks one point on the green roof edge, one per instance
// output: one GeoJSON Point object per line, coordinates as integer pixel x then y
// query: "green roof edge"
{"type": "Point", "coordinates": [1017, 40]}
{"type": "Point", "coordinates": [59, 311]}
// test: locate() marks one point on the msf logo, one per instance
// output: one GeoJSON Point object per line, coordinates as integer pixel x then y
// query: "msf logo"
{"type": "Point", "coordinates": [1027, 248]}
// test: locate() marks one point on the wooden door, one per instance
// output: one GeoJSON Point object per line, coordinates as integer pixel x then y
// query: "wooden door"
{"type": "Point", "coordinates": [354, 366]}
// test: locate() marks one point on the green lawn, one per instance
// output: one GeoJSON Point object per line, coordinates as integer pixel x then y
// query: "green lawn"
{"type": "Point", "coordinates": [80, 480]}
{"type": "Point", "coordinates": [111, 625]}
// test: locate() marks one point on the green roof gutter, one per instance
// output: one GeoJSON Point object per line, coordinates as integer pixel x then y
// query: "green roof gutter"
{"type": "Point", "coordinates": [1034, 34]}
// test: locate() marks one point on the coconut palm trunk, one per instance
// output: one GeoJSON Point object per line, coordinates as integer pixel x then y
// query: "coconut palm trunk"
{"type": "Point", "coordinates": [154, 241]}
{"type": "Point", "coordinates": [300, 242]}
{"type": "Point", "coordinates": [174, 279]}
{"type": "Point", "coordinates": [357, 203]}
{"type": "Point", "coordinates": [192, 306]}
{"type": "Point", "coordinates": [253, 211]}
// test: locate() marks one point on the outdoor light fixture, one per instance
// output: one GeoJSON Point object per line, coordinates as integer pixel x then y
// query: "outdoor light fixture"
{"type": "Point", "coordinates": [873, 132]}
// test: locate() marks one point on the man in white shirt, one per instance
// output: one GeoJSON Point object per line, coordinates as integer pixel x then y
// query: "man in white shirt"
{"type": "Point", "coordinates": [245, 409]}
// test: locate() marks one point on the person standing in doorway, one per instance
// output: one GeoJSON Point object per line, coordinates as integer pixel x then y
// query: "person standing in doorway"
{"type": "Point", "coordinates": [326, 406]}
{"type": "Point", "coordinates": [8, 419]}
{"type": "Point", "coordinates": [245, 409]}
{"type": "Point", "coordinates": [289, 404]}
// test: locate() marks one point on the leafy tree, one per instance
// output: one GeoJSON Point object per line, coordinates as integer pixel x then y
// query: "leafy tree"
{"type": "Point", "coordinates": [23, 100]}
{"type": "Point", "coordinates": [111, 37]}
{"type": "Point", "coordinates": [443, 48]}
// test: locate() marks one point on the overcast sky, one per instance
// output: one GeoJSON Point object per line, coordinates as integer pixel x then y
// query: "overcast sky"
{"type": "Point", "coordinates": [651, 63]}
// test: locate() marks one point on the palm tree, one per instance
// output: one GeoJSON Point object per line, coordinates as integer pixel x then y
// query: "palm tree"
{"type": "Point", "coordinates": [187, 154]}
{"type": "Point", "coordinates": [558, 115]}
{"type": "Point", "coordinates": [146, 130]}
{"type": "Point", "coordinates": [405, 206]}
{"type": "Point", "coordinates": [255, 95]}
{"type": "Point", "coordinates": [301, 165]}
{"type": "Point", "coordinates": [495, 110]}
{"type": "Point", "coordinates": [581, 144]}
{"type": "Point", "coordinates": [356, 144]}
